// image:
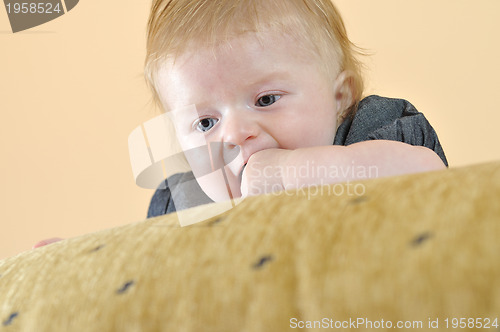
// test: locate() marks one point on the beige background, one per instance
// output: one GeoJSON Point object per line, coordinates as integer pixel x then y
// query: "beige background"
{"type": "Point", "coordinates": [72, 90]}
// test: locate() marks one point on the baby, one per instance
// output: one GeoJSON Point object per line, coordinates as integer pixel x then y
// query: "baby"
{"type": "Point", "coordinates": [273, 86]}
{"type": "Point", "coordinates": [270, 87]}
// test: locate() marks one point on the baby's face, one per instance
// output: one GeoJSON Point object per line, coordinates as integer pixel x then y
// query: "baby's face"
{"type": "Point", "coordinates": [249, 96]}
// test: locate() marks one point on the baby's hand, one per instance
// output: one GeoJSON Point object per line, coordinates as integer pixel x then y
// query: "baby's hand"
{"type": "Point", "coordinates": [264, 172]}
{"type": "Point", "coordinates": [47, 241]}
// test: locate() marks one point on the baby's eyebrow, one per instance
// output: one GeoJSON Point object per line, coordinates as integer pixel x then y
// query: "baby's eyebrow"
{"type": "Point", "coordinates": [272, 77]}
{"type": "Point", "coordinates": [187, 111]}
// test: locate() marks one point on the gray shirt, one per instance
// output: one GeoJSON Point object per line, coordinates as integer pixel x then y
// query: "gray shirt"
{"type": "Point", "coordinates": [376, 118]}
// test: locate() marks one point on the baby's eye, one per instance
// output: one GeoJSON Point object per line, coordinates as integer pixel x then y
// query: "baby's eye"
{"type": "Point", "coordinates": [267, 100]}
{"type": "Point", "coordinates": [206, 124]}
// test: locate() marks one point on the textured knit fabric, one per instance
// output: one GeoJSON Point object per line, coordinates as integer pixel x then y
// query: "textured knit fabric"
{"type": "Point", "coordinates": [415, 249]}
{"type": "Point", "coordinates": [389, 119]}
{"type": "Point", "coordinates": [377, 118]}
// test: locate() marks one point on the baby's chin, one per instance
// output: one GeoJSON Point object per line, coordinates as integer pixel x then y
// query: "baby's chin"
{"type": "Point", "coordinates": [218, 189]}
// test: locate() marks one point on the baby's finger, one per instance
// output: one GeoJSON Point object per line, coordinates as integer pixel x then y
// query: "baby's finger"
{"type": "Point", "coordinates": [47, 241]}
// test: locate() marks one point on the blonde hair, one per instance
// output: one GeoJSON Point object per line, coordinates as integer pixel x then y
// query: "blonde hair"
{"type": "Point", "coordinates": [176, 25]}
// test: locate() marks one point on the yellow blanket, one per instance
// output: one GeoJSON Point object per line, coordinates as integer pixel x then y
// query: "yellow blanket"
{"type": "Point", "coordinates": [418, 249]}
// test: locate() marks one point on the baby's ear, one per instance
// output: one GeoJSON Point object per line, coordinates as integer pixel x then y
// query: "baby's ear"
{"type": "Point", "coordinates": [343, 89]}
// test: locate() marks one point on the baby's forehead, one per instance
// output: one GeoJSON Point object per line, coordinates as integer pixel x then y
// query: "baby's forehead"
{"type": "Point", "coordinates": [247, 55]}
{"type": "Point", "coordinates": [246, 46]}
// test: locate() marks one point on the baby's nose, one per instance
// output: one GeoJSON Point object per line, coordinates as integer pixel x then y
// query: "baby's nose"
{"type": "Point", "coordinates": [237, 129]}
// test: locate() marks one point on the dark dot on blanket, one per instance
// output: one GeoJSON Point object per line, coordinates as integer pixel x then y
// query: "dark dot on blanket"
{"type": "Point", "coordinates": [125, 286]}
{"type": "Point", "coordinates": [421, 238]}
{"type": "Point", "coordinates": [99, 247]}
{"type": "Point", "coordinates": [262, 261]}
{"type": "Point", "coordinates": [358, 200]}
{"type": "Point", "coordinates": [215, 221]}
{"type": "Point", "coordinates": [9, 320]}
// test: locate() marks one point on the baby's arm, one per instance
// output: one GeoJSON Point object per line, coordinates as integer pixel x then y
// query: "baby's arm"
{"type": "Point", "coordinates": [276, 169]}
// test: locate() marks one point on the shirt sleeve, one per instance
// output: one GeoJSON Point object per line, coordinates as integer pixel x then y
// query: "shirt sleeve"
{"type": "Point", "coordinates": [389, 119]}
{"type": "Point", "coordinates": [161, 202]}
{"type": "Point", "coordinates": [181, 188]}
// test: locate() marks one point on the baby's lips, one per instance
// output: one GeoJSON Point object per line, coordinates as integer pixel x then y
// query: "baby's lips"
{"type": "Point", "coordinates": [47, 241]}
